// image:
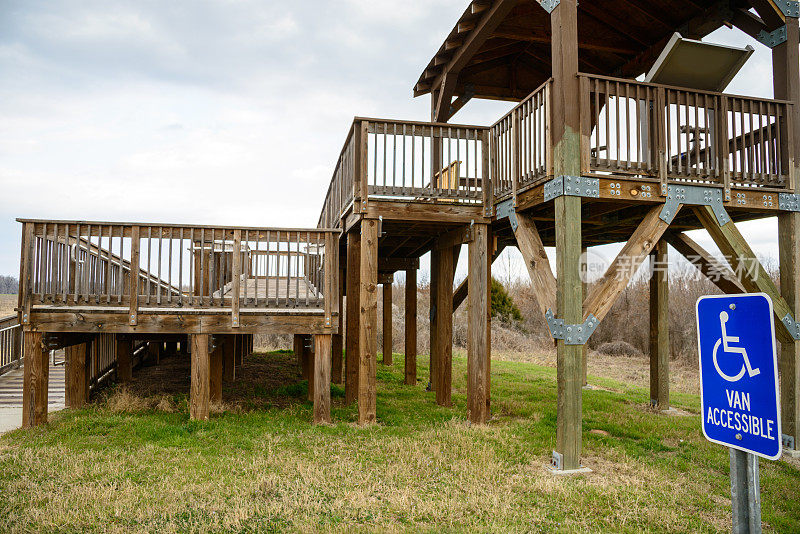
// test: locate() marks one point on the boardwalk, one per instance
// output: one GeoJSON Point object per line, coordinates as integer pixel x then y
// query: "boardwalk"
{"type": "Point", "coordinates": [11, 396]}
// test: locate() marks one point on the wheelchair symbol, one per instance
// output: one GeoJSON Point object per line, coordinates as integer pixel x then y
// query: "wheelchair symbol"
{"type": "Point", "coordinates": [724, 340]}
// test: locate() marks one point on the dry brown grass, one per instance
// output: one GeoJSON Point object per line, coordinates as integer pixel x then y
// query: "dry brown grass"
{"type": "Point", "coordinates": [7, 305]}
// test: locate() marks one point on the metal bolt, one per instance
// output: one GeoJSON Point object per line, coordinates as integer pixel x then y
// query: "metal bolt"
{"type": "Point", "coordinates": [732, 306]}
{"type": "Point", "coordinates": [739, 437]}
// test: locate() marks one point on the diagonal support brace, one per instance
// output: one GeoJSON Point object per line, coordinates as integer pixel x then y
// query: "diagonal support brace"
{"type": "Point", "coordinates": [572, 334]}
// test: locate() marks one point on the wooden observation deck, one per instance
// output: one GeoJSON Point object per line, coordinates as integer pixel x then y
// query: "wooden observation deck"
{"type": "Point", "coordinates": [589, 155]}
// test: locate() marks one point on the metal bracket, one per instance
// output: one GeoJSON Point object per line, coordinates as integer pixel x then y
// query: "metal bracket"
{"type": "Point", "coordinates": [572, 334]}
{"type": "Point", "coordinates": [789, 8]}
{"type": "Point", "coordinates": [792, 326]}
{"type": "Point", "coordinates": [697, 196]}
{"type": "Point", "coordinates": [506, 209]}
{"type": "Point", "coordinates": [773, 38]}
{"type": "Point", "coordinates": [789, 201]}
{"type": "Point", "coordinates": [549, 5]}
{"type": "Point", "coordinates": [574, 186]}
{"type": "Point", "coordinates": [556, 461]}
{"type": "Point", "coordinates": [788, 441]}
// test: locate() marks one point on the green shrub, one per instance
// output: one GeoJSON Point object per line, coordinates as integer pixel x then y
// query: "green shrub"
{"type": "Point", "coordinates": [503, 306]}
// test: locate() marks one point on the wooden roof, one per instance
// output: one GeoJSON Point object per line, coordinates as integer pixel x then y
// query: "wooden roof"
{"type": "Point", "coordinates": [500, 49]}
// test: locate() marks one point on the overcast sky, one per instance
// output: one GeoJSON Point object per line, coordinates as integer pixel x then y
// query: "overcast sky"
{"type": "Point", "coordinates": [215, 112]}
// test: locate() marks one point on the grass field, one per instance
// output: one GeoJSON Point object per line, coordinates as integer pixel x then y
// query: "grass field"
{"type": "Point", "coordinates": [136, 463]}
{"type": "Point", "coordinates": [7, 304]}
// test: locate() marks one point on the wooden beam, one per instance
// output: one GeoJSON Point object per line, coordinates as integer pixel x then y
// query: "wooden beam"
{"type": "Point", "coordinates": [716, 271]}
{"type": "Point", "coordinates": [542, 279]}
{"type": "Point", "coordinates": [353, 316]}
{"type": "Point", "coordinates": [322, 379]}
{"type": "Point", "coordinates": [397, 264]}
{"type": "Point", "coordinates": [457, 236]}
{"type": "Point", "coordinates": [786, 80]}
{"type": "Point", "coordinates": [337, 341]}
{"type": "Point", "coordinates": [387, 324]}
{"type": "Point", "coordinates": [199, 394]}
{"type": "Point", "coordinates": [745, 264]}
{"type": "Point", "coordinates": [411, 327]}
{"type": "Point", "coordinates": [479, 311]}
{"type": "Point", "coordinates": [368, 319]}
{"type": "Point", "coordinates": [490, 19]}
{"type": "Point", "coordinates": [659, 327]}
{"type": "Point", "coordinates": [769, 12]}
{"type": "Point", "coordinates": [605, 292]}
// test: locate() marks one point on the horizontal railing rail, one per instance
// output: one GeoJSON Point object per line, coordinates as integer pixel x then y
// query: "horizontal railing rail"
{"type": "Point", "coordinates": [424, 161]}
{"type": "Point", "coordinates": [683, 135]}
{"type": "Point", "coordinates": [522, 144]}
{"type": "Point", "coordinates": [145, 266]}
{"type": "Point", "coordinates": [10, 344]}
{"type": "Point", "coordinates": [408, 160]}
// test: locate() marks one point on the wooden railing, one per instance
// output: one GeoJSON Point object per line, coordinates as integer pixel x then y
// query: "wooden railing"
{"type": "Point", "coordinates": [10, 344]}
{"type": "Point", "coordinates": [90, 264]}
{"type": "Point", "coordinates": [405, 160]}
{"type": "Point", "coordinates": [521, 145]}
{"type": "Point", "coordinates": [102, 359]}
{"type": "Point", "coordinates": [681, 135]}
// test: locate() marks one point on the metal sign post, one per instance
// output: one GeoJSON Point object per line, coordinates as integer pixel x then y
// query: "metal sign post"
{"type": "Point", "coordinates": [739, 392]}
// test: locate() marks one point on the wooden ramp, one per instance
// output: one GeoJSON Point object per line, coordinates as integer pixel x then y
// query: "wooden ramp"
{"type": "Point", "coordinates": [11, 389]}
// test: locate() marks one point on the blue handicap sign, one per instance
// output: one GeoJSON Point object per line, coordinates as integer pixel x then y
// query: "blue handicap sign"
{"type": "Point", "coordinates": [739, 373]}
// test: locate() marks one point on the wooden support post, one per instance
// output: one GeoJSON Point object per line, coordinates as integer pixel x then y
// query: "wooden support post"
{"type": "Point", "coordinates": [124, 357]}
{"type": "Point", "coordinates": [444, 326]}
{"type": "Point", "coordinates": [309, 357]}
{"type": "Point", "coordinates": [387, 324]}
{"type": "Point", "coordinates": [337, 353]}
{"type": "Point", "coordinates": [215, 372]}
{"type": "Point", "coordinates": [229, 359]}
{"type": "Point", "coordinates": [297, 348]}
{"type": "Point", "coordinates": [786, 78]}
{"type": "Point", "coordinates": [77, 382]}
{"type": "Point", "coordinates": [35, 378]}
{"type": "Point", "coordinates": [337, 340]}
{"type": "Point", "coordinates": [322, 379]}
{"type": "Point", "coordinates": [352, 329]}
{"type": "Point", "coordinates": [436, 256]}
{"type": "Point", "coordinates": [659, 327]}
{"type": "Point", "coordinates": [368, 319]}
{"type": "Point", "coordinates": [305, 360]}
{"type": "Point", "coordinates": [585, 356]}
{"type": "Point", "coordinates": [411, 328]}
{"type": "Point", "coordinates": [200, 387]}
{"type": "Point", "coordinates": [154, 351]}
{"type": "Point", "coordinates": [567, 162]}
{"type": "Point", "coordinates": [479, 312]}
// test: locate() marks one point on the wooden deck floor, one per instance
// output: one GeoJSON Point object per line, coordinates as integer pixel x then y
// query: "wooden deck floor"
{"type": "Point", "coordinates": [295, 289]}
